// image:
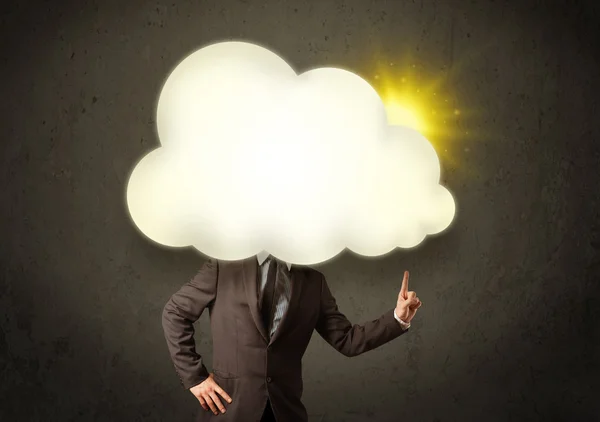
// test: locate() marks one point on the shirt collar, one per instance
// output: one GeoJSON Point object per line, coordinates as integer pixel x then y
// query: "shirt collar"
{"type": "Point", "coordinates": [263, 255]}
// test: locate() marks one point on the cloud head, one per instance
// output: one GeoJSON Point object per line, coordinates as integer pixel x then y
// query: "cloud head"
{"type": "Point", "coordinates": [255, 157]}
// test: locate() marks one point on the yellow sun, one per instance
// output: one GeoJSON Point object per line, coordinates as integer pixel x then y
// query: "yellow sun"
{"type": "Point", "coordinates": [404, 112]}
{"type": "Point", "coordinates": [422, 101]}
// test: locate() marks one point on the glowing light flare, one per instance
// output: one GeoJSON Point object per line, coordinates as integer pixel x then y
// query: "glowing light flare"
{"type": "Point", "coordinates": [425, 105]}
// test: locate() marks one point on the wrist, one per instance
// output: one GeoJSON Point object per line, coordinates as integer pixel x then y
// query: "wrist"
{"type": "Point", "coordinates": [403, 323]}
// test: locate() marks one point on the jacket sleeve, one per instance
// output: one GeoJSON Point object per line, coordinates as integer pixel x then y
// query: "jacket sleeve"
{"type": "Point", "coordinates": [352, 340]}
{"type": "Point", "coordinates": [180, 312]}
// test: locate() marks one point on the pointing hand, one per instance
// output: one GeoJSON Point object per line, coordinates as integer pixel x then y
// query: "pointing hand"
{"type": "Point", "coordinates": [408, 302]}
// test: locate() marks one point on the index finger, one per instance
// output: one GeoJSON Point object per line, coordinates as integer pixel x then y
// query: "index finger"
{"type": "Point", "coordinates": [404, 288]}
{"type": "Point", "coordinates": [222, 393]}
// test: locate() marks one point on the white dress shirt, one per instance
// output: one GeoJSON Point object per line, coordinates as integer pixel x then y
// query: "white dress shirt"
{"type": "Point", "coordinates": [283, 290]}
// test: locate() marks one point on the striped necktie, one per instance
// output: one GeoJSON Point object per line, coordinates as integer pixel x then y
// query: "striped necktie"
{"type": "Point", "coordinates": [267, 305]}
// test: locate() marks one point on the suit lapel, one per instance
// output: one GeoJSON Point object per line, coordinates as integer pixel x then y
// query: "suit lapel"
{"type": "Point", "coordinates": [250, 271]}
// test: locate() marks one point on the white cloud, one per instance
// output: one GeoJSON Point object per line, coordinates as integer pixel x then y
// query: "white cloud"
{"type": "Point", "coordinates": [257, 157]}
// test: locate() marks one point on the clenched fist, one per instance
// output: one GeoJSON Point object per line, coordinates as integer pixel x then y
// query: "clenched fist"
{"type": "Point", "coordinates": [206, 392]}
{"type": "Point", "coordinates": [408, 302]}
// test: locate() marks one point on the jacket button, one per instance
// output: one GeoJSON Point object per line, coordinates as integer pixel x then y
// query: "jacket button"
{"type": "Point", "coordinates": [268, 379]}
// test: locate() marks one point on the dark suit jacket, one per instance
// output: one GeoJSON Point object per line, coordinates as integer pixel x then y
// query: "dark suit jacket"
{"type": "Point", "coordinates": [245, 364]}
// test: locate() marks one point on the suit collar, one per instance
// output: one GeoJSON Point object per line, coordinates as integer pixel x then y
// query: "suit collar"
{"type": "Point", "coordinates": [262, 255]}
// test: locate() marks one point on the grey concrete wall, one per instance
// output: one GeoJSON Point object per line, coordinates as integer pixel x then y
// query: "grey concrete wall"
{"type": "Point", "coordinates": [509, 327]}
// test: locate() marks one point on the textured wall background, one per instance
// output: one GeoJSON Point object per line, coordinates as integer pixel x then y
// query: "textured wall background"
{"type": "Point", "coordinates": [509, 327]}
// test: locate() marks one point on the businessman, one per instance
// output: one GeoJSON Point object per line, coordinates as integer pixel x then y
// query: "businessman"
{"type": "Point", "coordinates": [262, 313]}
